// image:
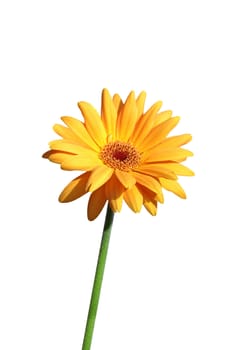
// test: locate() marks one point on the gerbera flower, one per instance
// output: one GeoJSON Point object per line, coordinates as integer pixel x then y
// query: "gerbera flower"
{"type": "Point", "coordinates": [125, 154]}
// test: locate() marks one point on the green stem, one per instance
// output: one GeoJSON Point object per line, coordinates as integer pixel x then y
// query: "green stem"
{"type": "Point", "coordinates": [98, 280]}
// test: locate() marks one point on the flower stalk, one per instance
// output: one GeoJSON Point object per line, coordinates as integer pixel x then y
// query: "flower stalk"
{"type": "Point", "coordinates": [96, 289]}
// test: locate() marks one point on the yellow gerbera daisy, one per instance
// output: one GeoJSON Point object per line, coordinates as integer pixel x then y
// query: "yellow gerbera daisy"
{"type": "Point", "coordinates": [125, 154]}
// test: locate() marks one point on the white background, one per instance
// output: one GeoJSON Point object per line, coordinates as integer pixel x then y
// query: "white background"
{"type": "Point", "coordinates": [168, 282]}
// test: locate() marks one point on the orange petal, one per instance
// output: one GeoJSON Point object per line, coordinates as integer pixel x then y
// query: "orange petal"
{"type": "Point", "coordinates": [116, 204]}
{"type": "Point", "coordinates": [173, 186]}
{"type": "Point", "coordinates": [108, 113]}
{"type": "Point", "coordinates": [177, 168]}
{"type": "Point", "coordinates": [75, 189]}
{"type": "Point", "coordinates": [126, 179]}
{"type": "Point", "coordinates": [81, 162]}
{"type": "Point", "coordinates": [96, 203]}
{"type": "Point", "coordinates": [93, 123]}
{"type": "Point", "coordinates": [57, 156]}
{"type": "Point", "coordinates": [149, 201]}
{"type": "Point", "coordinates": [147, 193]}
{"type": "Point", "coordinates": [117, 102]}
{"type": "Point", "coordinates": [140, 102]}
{"type": "Point", "coordinates": [153, 110]}
{"type": "Point", "coordinates": [156, 171]}
{"type": "Point", "coordinates": [161, 117]}
{"type": "Point", "coordinates": [158, 134]}
{"type": "Point", "coordinates": [172, 154]}
{"type": "Point", "coordinates": [47, 154]}
{"type": "Point", "coordinates": [150, 206]}
{"type": "Point", "coordinates": [81, 134]}
{"type": "Point", "coordinates": [145, 124]}
{"type": "Point", "coordinates": [134, 199]}
{"type": "Point", "coordinates": [127, 118]}
{"type": "Point", "coordinates": [148, 181]}
{"type": "Point", "coordinates": [64, 132]}
{"type": "Point", "coordinates": [70, 147]}
{"type": "Point", "coordinates": [99, 176]}
{"type": "Point", "coordinates": [114, 193]}
{"type": "Point", "coordinates": [174, 141]}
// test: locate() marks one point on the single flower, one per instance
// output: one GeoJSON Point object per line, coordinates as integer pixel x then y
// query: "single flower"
{"type": "Point", "coordinates": [125, 154]}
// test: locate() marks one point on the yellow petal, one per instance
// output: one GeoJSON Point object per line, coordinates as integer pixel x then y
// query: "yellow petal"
{"type": "Point", "coordinates": [134, 199]}
{"type": "Point", "coordinates": [81, 162]}
{"type": "Point", "coordinates": [93, 123]}
{"type": "Point", "coordinates": [177, 168]}
{"type": "Point", "coordinates": [64, 132]}
{"type": "Point", "coordinates": [148, 181]}
{"type": "Point", "coordinates": [162, 117]}
{"type": "Point", "coordinates": [70, 147]}
{"type": "Point", "coordinates": [81, 134]}
{"type": "Point", "coordinates": [126, 179]}
{"type": "Point", "coordinates": [173, 154]}
{"type": "Point", "coordinates": [127, 118]}
{"type": "Point", "coordinates": [99, 176]}
{"type": "Point", "coordinates": [75, 189]}
{"type": "Point", "coordinates": [145, 124]}
{"type": "Point", "coordinates": [149, 201]}
{"type": "Point", "coordinates": [173, 186]}
{"type": "Point", "coordinates": [140, 102]}
{"type": "Point", "coordinates": [156, 171]}
{"type": "Point", "coordinates": [116, 204]}
{"type": "Point", "coordinates": [117, 102]}
{"type": "Point", "coordinates": [174, 141]}
{"type": "Point", "coordinates": [152, 195]}
{"type": "Point", "coordinates": [96, 203]}
{"type": "Point", "coordinates": [47, 154]}
{"type": "Point", "coordinates": [57, 157]}
{"type": "Point", "coordinates": [151, 207]}
{"type": "Point", "coordinates": [108, 113]}
{"type": "Point", "coordinates": [153, 110]}
{"type": "Point", "coordinates": [158, 134]}
{"type": "Point", "coordinates": [114, 193]}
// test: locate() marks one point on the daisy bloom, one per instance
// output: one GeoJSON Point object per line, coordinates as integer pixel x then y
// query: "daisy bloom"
{"type": "Point", "coordinates": [124, 153]}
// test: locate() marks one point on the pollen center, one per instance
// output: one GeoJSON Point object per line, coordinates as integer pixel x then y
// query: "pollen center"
{"type": "Point", "coordinates": [120, 155]}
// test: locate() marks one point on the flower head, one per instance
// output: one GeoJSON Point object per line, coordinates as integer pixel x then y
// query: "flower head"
{"type": "Point", "coordinates": [125, 154]}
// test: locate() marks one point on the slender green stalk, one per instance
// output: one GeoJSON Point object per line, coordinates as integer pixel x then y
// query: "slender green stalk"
{"type": "Point", "coordinates": [98, 280]}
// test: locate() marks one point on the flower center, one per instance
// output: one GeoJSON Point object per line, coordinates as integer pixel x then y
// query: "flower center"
{"type": "Point", "coordinates": [120, 155]}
